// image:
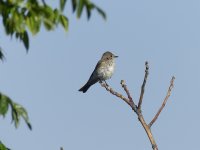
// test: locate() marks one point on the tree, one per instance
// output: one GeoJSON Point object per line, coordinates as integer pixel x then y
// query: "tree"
{"type": "Point", "coordinates": [23, 17]}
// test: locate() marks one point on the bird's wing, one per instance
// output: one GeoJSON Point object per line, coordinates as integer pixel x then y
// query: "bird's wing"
{"type": "Point", "coordinates": [93, 75]}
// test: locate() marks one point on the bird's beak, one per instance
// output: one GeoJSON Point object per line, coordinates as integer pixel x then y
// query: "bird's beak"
{"type": "Point", "coordinates": [116, 56]}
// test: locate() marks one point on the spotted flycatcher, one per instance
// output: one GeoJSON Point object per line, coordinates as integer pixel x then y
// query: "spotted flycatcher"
{"type": "Point", "coordinates": [103, 70]}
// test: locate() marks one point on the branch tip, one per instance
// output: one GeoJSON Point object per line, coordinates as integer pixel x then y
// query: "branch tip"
{"type": "Point", "coordinates": [122, 83]}
{"type": "Point", "coordinates": [164, 102]}
{"type": "Point", "coordinates": [172, 81]}
{"type": "Point", "coordinates": [147, 65]}
{"type": "Point", "coordinates": [143, 84]}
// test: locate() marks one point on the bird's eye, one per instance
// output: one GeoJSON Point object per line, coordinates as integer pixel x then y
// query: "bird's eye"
{"type": "Point", "coordinates": [107, 58]}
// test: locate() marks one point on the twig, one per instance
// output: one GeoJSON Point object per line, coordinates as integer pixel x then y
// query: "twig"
{"type": "Point", "coordinates": [132, 104]}
{"type": "Point", "coordinates": [126, 90]}
{"type": "Point", "coordinates": [164, 102]}
{"type": "Point", "coordinates": [108, 88]}
{"type": "Point", "coordinates": [143, 85]}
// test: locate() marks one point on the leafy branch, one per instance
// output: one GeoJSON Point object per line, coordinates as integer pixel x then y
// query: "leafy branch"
{"type": "Point", "coordinates": [17, 111]}
{"type": "Point", "coordinates": [22, 17]}
{"type": "Point", "coordinates": [137, 108]}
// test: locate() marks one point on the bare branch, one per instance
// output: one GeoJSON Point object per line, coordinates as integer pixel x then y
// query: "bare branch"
{"type": "Point", "coordinates": [137, 109]}
{"type": "Point", "coordinates": [126, 90]}
{"type": "Point", "coordinates": [130, 102]}
{"type": "Point", "coordinates": [108, 88]}
{"type": "Point", "coordinates": [143, 85]}
{"type": "Point", "coordinates": [164, 102]}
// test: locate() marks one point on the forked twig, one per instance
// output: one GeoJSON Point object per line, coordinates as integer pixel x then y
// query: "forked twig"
{"type": "Point", "coordinates": [164, 102]}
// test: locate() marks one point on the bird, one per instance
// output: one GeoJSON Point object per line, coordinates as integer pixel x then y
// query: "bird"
{"type": "Point", "coordinates": [103, 70]}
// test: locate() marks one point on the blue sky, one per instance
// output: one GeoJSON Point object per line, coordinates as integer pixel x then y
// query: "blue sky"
{"type": "Point", "coordinates": [46, 80]}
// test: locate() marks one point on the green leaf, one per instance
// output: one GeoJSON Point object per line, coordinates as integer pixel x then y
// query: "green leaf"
{"type": "Point", "coordinates": [62, 4]}
{"type": "Point", "coordinates": [25, 39]}
{"type": "Point", "coordinates": [101, 12]}
{"type": "Point", "coordinates": [9, 26]}
{"type": "Point", "coordinates": [21, 112]}
{"type": "Point", "coordinates": [33, 23]}
{"type": "Point", "coordinates": [80, 8]}
{"type": "Point", "coordinates": [74, 4]}
{"type": "Point", "coordinates": [1, 54]}
{"type": "Point", "coordinates": [48, 24]}
{"type": "Point", "coordinates": [4, 101]}
{"type": "Point", "coordinates": [48, 12]}
{"type": "Point", "coordinates": [2, 146]}
{"type": "Point", "coordinates": [64, 21]}
{"type": "Point", "coordinates": [56, 16]}
{"type": "Point", "coordinates": [17, 111]}
{"type": "Point", "coordinates": [88, 10]}
{"type": "Point", "coordinates": [49, 18]}
{"type": "Point", "coordinates": [15, 117]}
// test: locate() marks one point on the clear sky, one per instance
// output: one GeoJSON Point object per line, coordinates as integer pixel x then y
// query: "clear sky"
{"type": "Point", "coordinates": [46, 80]}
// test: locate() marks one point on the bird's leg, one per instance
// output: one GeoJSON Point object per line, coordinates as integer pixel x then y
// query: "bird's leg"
{"type": "Point", "coordinates": [104, 81]}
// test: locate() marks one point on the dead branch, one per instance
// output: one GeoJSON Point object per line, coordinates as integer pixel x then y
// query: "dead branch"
{"type": "Point", "coordinates": [126, 90]}
{"type": "Point", "coordinates": [137, 109]}
{"type": "Point", "coordinates": [140, 117]}
{"type": "Point", "coordinates": [164, 102]}
{"type": "Point", "coordinates": [134, 107]}
{"type": "Point", "coordinates": [108, 88]}
{"type": "Point", "coordinates": [143, 85]}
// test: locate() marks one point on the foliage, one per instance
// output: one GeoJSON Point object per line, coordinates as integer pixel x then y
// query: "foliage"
{"type": "Point", "coordinates": [21, 17]}
{"type": "Point", "coordinates": [3, 147]}
{"type": "Point", "coordinates": [1, 54]}
{"type": "Point", "coordinates": [17, 111]}
{"type": "Point", "coordinates": [79, 5]}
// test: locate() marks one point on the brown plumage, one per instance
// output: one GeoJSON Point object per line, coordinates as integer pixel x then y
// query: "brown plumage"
{"type": "Point", "coordinates": [103, 70]}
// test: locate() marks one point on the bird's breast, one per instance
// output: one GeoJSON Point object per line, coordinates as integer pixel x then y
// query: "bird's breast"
{"type": "Point", "coordinates": [105, 71]}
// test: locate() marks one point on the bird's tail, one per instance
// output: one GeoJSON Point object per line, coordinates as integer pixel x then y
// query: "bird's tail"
{"type": "Point", "coordinates": [85, 88]}
{"type": "Point", "coordinates": [87, 85]}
